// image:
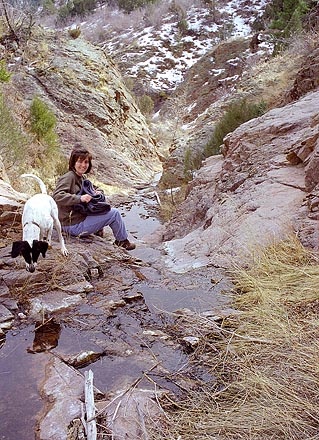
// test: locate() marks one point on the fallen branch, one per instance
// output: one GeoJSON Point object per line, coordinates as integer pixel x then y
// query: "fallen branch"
{"type": "Point", "coordinates": [132, 386]}
{"type": "Point", "coordinates": [90, 407]}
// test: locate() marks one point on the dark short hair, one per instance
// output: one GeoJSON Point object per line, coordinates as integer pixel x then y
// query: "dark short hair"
{"type": "Point", "coordinates": [80, 152]}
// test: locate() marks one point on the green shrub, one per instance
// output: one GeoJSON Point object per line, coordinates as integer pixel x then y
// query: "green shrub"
{"type": "Point", "coordinates": [81, 7]}
{"type": "Point", "coordinates": [286, 12]}
{"type": "Point", "coordinates": [182, 26]}
{"type": "Point", "coordinates": [236, 114]}
{"type": "Point", "coordinates": [61, 165]}
{"type": "Point", "coordinates": [43, 121]}
{"type": "Point", "coordinates": [163, 95]}
{"type": "Point", "coordinates": [64, 12]}
{"type": "Point", "coordinates": [13, 143]}
{"type": "Point", "coordinates": [74, 32]}
{"type": "Point", "coordinates": [130, 5]}
{"type": "Point", "coordinates": [43, 124]}
{"type": "Point", "coordinates": [48, 157]}
{"type": "Point", "coordinates": [285, 17]}
{"type": "Point", "coordinates": [129, 82]}
{"type": "Point", "coordinates": [4, 74]}
{"type": "Point", "coordinates": [76, 7]}
{"type": "Point", "coordinates": [48, 7]}
{"type": "Point", "coordinates": [226, 30]}
{"type": "Point", "coordinates": [20, 152]}
{"type": "Point", "coordinates": [177, 9]}
{"type": "Point", "coordinates": [170, 200]}
{"type": "Point", "coordinates": [146, 105]}
{"type": "Point", "coordinates": [192, 161]}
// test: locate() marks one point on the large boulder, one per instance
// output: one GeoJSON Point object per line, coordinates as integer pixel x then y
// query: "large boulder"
{"type": "Point", "coordinates": [261, 193]}
{"type": "Point", "coordinates": [86, 92]}
{"type": "Point", "coordinates": [11, 204]}
{"type": "Point", "coordinates": [307, 78]}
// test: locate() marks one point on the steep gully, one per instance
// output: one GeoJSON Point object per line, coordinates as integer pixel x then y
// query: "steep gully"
{"type": "Point", "coordinates": [122, 339]}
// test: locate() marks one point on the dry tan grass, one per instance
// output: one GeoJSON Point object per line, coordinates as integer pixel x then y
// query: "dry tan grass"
{"type": "Point", "coordinates": [170, 201]}
{"type": "Point", "coordinates": [266, 362]}
{"type": "Point", "coordinates": [272, 78]}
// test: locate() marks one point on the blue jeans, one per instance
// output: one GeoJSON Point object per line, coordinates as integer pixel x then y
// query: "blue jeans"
{"type": "Point", "coordinates": [93, 223]}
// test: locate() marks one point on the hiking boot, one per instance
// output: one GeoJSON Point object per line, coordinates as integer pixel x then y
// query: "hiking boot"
{"type": "Point", "coordinates": [125, 244]}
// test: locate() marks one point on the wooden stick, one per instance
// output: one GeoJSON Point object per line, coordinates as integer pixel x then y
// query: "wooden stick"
{"type": "Point", "coordinates": [157, 198]}
{"type": "Point", "coordinates": [134, 384]}
{"type": "Point", "coordinates": [83, 417]}
{"type": "Point", "coordinates": [90, 407]}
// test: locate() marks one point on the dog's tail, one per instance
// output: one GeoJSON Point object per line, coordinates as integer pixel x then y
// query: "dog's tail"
{"type": "Point", "coordinates": [42, 185]}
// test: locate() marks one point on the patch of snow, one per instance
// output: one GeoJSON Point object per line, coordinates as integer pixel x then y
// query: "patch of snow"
{"type": "Point", "coordinates": [233, 61]}
{"type": "Point", "coordinates": [190, 107]}
{"type": "Point", "coordinates": [241, 28]}
{"type": "Point", "coordinates": [149, 48]}
{"type": "Point", "coordinates": [230, 79]}
{"type": "Point", "coordinates": [217, 72]}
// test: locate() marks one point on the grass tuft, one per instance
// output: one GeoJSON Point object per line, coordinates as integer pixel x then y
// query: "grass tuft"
{"type": "Point", "coordinates": [265, 359]}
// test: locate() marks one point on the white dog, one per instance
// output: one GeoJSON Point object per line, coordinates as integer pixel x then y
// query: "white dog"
{"type": "Point", "coordinates": [40, 213]}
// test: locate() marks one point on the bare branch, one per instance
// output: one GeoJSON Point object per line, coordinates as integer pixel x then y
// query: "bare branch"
{"type": "Point", "coordinates": [12, 31]}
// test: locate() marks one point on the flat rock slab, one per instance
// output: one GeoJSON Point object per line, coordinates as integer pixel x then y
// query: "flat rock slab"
{"type": "Point", "coordinates": [140, 405]}
{"type": "Point", "coordinates": [6, 317]}
{"type": "Point", "coordinates": [53, 302]}
{"type": "Point", "coordinates": [63, 387]}
{"type": "Point", "coordinates": [21, 277]}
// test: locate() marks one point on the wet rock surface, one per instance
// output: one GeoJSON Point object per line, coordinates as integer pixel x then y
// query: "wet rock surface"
{"type": "Point", "coordinates": [104, 309]}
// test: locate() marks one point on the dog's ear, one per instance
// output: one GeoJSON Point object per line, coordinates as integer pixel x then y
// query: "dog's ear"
{"type": "Point", "coordinates": [21, 248]}
{"type": "Point", "coordinates": [18, 247]}
{"type": "Point", "coordinates": [38, 247]}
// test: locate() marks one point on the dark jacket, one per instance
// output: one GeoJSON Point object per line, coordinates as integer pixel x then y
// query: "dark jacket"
{"type": "Point", "coordinates": [97, 205]}
{"type": "Point", "coordinates": [65, 195]}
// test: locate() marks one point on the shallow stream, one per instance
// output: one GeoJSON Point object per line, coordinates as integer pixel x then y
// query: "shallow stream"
{"type": "Point", "coordinates": [122, 337]}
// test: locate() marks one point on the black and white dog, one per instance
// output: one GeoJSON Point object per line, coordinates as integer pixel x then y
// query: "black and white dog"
{"type": "Point", "coordinates": [40, 214]}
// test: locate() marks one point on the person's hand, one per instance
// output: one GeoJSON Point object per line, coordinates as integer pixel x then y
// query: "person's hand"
{"type": "Point", "coordinates": [86, 198]}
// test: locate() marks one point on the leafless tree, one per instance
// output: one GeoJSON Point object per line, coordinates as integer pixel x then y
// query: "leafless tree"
{"type": "Point", "coordinates": [5, 11]}
{"type": "Point", "coordinates": [19, 23]}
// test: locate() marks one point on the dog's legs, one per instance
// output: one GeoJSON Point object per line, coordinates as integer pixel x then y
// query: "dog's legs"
{"type": "Point", "coordinates": [49, 236]}
{"type": "Point", "coordinates": [57, 225]}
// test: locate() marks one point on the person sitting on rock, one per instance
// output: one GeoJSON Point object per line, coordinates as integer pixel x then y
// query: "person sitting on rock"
{"type": "Point", "coordinates": [76, 222]}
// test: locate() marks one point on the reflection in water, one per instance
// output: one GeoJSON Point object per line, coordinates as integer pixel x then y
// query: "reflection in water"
{"type": "Point", "coordinates": [46, 336]}
{"type": "Point", "coordinates": [20, 373]}
{"type": "Point", "coordinates": [162, 299]}
{"type": "Point", "coordinates": [138, 220]}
